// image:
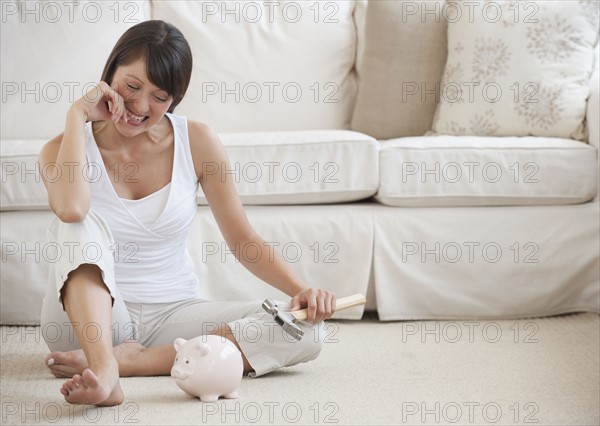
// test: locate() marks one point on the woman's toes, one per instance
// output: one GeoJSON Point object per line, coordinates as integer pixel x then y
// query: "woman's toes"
{"type": "Point", "coordinates": [51, 359]}
{"type": "Point", "coordinates": [78, 380]}
{"type": "Point", "coordinates": [68, 385]}
{"type": "Point", "coordinates": [59, 358]}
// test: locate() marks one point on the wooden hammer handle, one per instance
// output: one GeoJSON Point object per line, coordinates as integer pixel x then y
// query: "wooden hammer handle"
{"type": "Point", "coordinates": [340, 304]}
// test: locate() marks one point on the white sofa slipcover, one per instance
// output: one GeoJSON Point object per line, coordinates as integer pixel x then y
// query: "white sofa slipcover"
{"type": "Point", "coordinates": [537, 256]}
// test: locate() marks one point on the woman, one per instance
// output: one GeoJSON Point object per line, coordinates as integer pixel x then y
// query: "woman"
{"type": "Point", "coordinates": [130, 195]}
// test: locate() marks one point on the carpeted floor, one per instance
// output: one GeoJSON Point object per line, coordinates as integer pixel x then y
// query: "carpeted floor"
{"type": "Point", "coordinates": [543, 371]}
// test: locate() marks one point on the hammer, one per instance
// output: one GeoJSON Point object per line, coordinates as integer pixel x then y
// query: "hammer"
{"type": "Point", "coordinates": [287, 319]}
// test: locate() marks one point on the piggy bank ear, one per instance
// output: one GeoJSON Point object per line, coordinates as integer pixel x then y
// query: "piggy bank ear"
{"type": "Point", "coordinates": [179, 342]}
{"type": "Point", "coordinates": [202, 348]}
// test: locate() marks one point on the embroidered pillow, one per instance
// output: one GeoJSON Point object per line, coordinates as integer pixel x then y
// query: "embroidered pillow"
{"type": "Point", "coordinates": [517, 68]}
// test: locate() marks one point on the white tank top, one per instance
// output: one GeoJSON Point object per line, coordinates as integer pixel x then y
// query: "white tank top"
{"type": "Point", "coordinates": [152, 263]}
{"type": "Point", "coordinates": [149, 208]}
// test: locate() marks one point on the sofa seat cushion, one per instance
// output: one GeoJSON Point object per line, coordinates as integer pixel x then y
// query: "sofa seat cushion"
{"type": "Point", "coordinates": [303, 167]}
{"type": "Point", "coordinates": [486, 171]}
{"type": "Point", "coordinates": [22, 187]}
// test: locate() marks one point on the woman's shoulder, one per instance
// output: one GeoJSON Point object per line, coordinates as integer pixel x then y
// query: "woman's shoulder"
{"type": "Point", "coordinates": [200, 132]}
{"type": "Point", "coordinates": [197, 131]}
{"type": "Point", "coordinates": [205, 144]}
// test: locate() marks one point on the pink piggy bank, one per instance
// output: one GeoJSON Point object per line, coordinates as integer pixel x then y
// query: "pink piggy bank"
{"type": "Point", "coordinates": [208, 367]}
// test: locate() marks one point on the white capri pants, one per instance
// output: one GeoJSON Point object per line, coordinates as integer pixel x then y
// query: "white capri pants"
{"type": "Point", "coordinates": [264, 343]}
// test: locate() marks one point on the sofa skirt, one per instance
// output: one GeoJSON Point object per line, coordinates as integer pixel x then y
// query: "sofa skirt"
{"type": "Point", "coordinates": [411, 263]}
{"type": "Point", "coordinates": [329, 247]}
{"type": "Point", "coordinates": [486, 262]}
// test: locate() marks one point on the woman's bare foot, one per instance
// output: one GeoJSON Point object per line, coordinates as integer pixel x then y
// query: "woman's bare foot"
{"type": "Point", "coordinates": [68, 364]}
{"type": "Point", "coordinates": [100, 388]}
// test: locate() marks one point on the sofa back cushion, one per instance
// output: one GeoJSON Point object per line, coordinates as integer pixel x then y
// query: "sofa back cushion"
{"type": "Point", "coordinates": [400, 68]}
{"type": "Point", "coordinates": [268, 66]}
{"type": "Point", "coordinates": [52, 54]}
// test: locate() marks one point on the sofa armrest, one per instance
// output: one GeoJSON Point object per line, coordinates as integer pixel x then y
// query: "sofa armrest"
{"type": "Point", "coordinates": [593, 114]}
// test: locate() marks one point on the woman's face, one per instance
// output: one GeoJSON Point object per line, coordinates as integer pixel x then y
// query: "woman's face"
{"type": "Point", "coordinates": [145, 103]}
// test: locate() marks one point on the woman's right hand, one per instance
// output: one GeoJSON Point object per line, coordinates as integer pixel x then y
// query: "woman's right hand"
{"type": "Point", "coordinates": [101, 103]}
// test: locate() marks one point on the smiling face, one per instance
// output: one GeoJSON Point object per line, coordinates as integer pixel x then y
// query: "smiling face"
{"type": "Point", "coordinates": [145, 103]}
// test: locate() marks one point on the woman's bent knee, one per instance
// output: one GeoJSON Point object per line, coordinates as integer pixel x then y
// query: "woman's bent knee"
{"type": "Point", "coordinates": [312, 341]}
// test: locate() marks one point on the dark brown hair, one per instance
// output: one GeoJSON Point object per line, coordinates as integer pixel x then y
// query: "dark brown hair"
{"type": "Point", "coordinates": [167, 54]}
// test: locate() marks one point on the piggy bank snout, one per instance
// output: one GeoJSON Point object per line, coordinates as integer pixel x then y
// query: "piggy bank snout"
{"type": "Point", "coordinates": [179, 374]}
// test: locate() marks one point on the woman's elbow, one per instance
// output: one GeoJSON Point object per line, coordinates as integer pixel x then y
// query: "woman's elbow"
{"type": "Point", "coordinates": [71, 214]}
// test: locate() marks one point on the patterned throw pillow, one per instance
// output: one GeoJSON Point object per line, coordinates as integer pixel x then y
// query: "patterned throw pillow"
{"type": "Point", "coordinates": [517, 68]}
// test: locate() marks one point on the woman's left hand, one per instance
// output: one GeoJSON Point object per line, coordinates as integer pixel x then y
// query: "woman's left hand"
{"type": "Point", "coordinates": [320, 304]}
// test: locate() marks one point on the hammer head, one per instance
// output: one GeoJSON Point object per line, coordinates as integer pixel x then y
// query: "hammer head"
{"type": "Point", "coordinates": [284, 319]}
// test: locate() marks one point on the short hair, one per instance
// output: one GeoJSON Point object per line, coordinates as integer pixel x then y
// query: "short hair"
{"type": "Point", "coordinates": [167, 54]}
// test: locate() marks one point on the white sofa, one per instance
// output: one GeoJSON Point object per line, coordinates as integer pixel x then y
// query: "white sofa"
{"type": "Point", "coordinates": [329, 156]}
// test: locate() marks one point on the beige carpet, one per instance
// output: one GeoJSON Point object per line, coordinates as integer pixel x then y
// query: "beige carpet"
{"type": "Point", "coordinates": [543, 371]}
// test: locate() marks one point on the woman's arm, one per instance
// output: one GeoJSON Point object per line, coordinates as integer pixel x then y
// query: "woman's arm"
{"type": "Point", "coordinates": [209, 155]}
{"type": "Point", "coordinates": [62, 159]}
